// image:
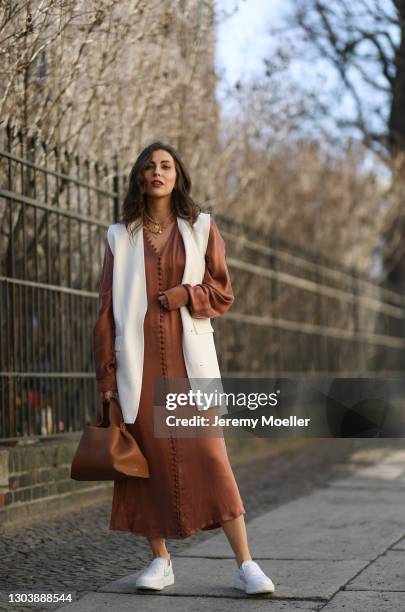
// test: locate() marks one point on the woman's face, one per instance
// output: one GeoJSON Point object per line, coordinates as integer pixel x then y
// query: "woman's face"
{"type": "Point", "coordinates": [160, 174]}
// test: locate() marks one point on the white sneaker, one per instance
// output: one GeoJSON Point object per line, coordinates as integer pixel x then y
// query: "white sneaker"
{"type": "Point", "coordinates": [251, 579]}
{"type": "Point", "coordinates": [157, 575]}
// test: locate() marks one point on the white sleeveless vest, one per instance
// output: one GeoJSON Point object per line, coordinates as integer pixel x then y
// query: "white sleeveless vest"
{"type": "Point", "coordinates": [130, 304]}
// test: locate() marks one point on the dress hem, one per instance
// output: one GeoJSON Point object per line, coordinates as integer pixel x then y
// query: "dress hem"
{"type": "Point", "coordinates": [214, 524]}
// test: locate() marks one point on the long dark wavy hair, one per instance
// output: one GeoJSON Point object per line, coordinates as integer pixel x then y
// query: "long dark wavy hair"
{"type": "Point", "coordinates": [182, 204]}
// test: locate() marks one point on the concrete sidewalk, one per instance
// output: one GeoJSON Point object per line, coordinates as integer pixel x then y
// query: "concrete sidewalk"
{"type": "Point", "coordinates": [341, 548]}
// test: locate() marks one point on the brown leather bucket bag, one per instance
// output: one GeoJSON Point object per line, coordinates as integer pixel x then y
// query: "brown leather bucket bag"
{"type": "Point", "coordinates": [107, 451]}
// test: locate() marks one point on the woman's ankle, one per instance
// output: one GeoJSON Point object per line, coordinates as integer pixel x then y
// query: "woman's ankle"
{"type": "Point", "coordinates": [158, 547]}
{"type": "Point", "coordinates": [163, 554]}
{"type": "Point", "coordinates": [240, 560]}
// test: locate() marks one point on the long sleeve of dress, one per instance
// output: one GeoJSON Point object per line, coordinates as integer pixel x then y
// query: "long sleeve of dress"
{"type": "Point", "coordinates": [214, 296]}
{"type": "Point", "coordinates": [104, 329]}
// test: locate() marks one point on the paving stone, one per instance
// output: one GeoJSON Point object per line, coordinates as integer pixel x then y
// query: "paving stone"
{"type": "Point", "coordinates": [400, 545]}
{"type": "Point", "coordinates": [389, 470]}
{"type": "Point", "coordinates": [331, 523]}
{"type": "Point", "coordinates": [367, 483]}
{"type": "Point", "coordinates": [100, 602]}
{"type": "Point", "coordinates": [213, 577]}
{"type": "Point", "coordinates": [366, 601]}
{"type": "Point", "coordinates": [387, 573]}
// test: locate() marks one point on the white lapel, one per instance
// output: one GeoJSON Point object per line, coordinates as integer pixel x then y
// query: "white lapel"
{"type": "Point", "coordinates": [194, 266]}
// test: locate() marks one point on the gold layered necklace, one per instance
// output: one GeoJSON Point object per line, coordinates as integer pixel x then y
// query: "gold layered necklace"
{"type": "Point", "coordinates": [157, 227]}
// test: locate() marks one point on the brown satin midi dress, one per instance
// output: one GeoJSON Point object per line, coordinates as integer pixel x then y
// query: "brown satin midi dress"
{"type": "Point", "coordinates": [191, 484]}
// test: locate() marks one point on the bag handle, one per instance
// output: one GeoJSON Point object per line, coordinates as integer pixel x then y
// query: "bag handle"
{"type": "Point", "coordinates": [105, 413]}
{"type": "Point", "coordinates": [106, 422]}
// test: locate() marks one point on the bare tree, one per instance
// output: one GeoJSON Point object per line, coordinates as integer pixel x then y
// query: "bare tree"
{"type": "Point", "coordinates": [363, 40]}
{"type": "Point", "coordinates": [89, 78]}
{"type": "Point", "coordinates": [110, 75]}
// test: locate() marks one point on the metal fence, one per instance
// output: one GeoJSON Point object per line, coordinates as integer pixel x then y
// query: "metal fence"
{"type": "Point", "coordinates": [303, 314]}
{"type": "Point", "coordinates": [55, 209]}
{"type": "Point", "coordinates": [295, 312]}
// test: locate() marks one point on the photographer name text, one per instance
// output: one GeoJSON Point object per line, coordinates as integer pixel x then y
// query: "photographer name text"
{"type": "Point", "coordinates": [270, 421]}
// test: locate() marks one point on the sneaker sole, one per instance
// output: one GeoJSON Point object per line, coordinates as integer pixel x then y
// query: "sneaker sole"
{"type": "Point", "coordinates": [169, 580]}
{"type": "Point", "coordinates": [239, 585]}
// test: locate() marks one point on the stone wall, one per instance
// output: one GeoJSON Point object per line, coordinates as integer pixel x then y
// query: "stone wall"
{"type": "Point", "coordinates": [35, 482]}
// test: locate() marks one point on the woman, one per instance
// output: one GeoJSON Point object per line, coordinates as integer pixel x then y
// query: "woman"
{"type": "Point", "coordinates": [191, 484]}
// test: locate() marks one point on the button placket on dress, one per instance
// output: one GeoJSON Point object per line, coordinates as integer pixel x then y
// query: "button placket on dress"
{"type": "Point", "coordinates": [164, 373]}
